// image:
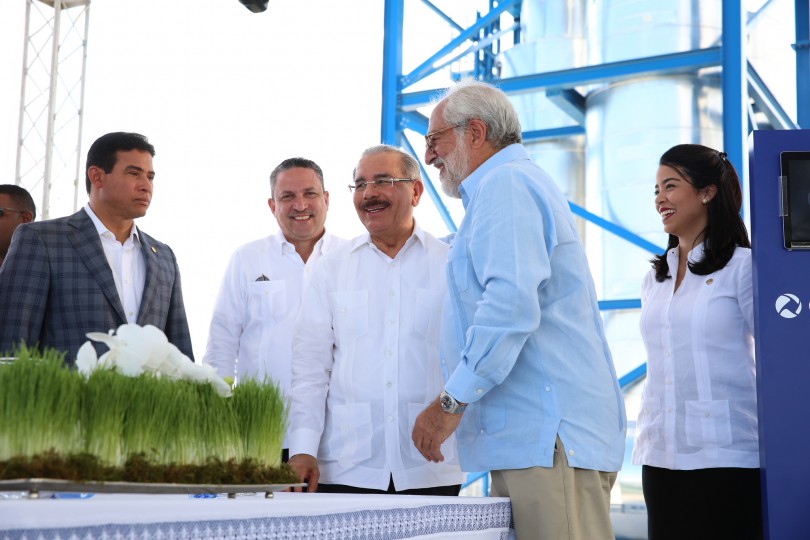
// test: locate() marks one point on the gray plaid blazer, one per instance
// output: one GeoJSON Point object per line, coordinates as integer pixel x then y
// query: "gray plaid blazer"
{"type": "Point", "coordinates": [56, 286]}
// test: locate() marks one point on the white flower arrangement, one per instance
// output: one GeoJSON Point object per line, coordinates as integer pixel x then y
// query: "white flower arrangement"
{"type": "Point", "coordinates": [136, 349]}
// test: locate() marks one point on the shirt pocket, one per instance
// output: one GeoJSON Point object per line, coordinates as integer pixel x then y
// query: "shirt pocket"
{"type": "Point", "coordinates": [707, 424]}
{"type": "Point", "coordinates": [648, 426]}
{"type": "Point", "coordinates": [267, 300]}
{"type": "Point", "coordinates": [350, 314]}
{"type": "Point", "coordinates": [448, 446]}
{"type": "Point", "coordinates": [458, 267]}
{"type": "Point", "coordinates": [350, 440]}
{"type": "Point", "coordinates": [428, 314]}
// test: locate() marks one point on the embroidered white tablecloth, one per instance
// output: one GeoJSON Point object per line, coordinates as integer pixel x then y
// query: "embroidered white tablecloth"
{"type": "Point", "coordinates": [287, 516]}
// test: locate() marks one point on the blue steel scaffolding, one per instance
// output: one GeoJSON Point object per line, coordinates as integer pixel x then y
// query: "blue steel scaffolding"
{"type": "Point", "coordinates": [743, 91]}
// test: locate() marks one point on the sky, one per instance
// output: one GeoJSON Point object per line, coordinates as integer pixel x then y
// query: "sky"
{"type": "Point", "coordinates": [225, 95]}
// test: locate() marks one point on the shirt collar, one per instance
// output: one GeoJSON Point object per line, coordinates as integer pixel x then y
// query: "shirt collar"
{"type": "Point", "coordinates": [101, 229]}
{"type": "Point", "coordinates": [323, 244]}
{"type": "Point", "coordinates": [470, 184]}
{"type": "Point", "coordinates": [695, 255]}
{"type": "Point", "coordinates": [365, 239]}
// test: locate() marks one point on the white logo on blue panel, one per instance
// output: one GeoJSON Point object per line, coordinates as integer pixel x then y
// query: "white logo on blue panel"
{"type": "Point", "coordinates": [788, 305]}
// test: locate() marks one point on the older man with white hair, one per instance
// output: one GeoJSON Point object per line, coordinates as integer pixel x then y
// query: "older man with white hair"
{"type": "Point", "coordinates": [532, 392]}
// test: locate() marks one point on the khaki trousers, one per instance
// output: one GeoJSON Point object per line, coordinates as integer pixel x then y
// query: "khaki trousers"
{"type": "Point", "coordinates": [560, 503]}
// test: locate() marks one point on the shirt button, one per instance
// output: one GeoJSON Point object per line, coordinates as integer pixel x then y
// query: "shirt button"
{"type": "Point", "coordinates": [479, 391]}
{"type": "Point", "coordinates": [706, 415]}
{"type": "Point", "coordinates": [570, 452]}
{"type": "Point", "coordinates": [548, 389]}
{"type": "Point", "coordinates": [669, 409]}
{"type": "Point", "coordinates": [390, 418]}
{"type": "Point", "coordinates": [482, 432]}
{"type": "Point", "coordinates": [389, 384]}
{"type": "Point", "coordinates": [392, 293]}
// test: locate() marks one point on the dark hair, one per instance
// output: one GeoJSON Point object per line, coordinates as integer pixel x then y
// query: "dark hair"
{"type": "Point", "coordinates": [103, 151]}
{"type": "Point", "coordinates": [21, 198]}
{"type": "Point", "coordinates": [702, 167]}
{"type": "Point", "coordinates": [294, 163]}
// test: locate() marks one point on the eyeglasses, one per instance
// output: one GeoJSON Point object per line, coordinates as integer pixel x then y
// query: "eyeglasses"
{"type": "Point", "coordinates": [3, 210]}
{"type": "Point", "coordinates": [432, 135]}
{"type": "Point", "coordinates": [379, 183]}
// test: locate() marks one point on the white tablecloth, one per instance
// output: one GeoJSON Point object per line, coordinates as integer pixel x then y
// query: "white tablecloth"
{"type": "Point", "coordinates": [286, 516]}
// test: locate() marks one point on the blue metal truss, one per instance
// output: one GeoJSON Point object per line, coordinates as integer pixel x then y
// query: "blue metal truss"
{"type": "Point", "coordinates": [740, 82]}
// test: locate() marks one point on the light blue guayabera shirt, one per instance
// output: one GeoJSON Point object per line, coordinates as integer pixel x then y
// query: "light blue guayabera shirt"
{"type": "Point", "coordinates": [522, 337]}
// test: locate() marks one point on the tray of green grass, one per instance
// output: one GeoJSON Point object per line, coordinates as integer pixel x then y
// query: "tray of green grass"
{"type": "Point", "coordinates": [35, 486]}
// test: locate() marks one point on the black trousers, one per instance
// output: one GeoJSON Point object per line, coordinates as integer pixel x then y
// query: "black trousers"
{"type": "Point", "coordinates": [449, 491]}
{"type": "Point", "coordinates": [711, 504]}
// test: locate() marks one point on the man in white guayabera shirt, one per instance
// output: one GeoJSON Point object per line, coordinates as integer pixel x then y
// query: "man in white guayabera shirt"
{"type": "Point", "coordinates": [366, 346]}
{"type": "Point", "coordinates": [251, 328]}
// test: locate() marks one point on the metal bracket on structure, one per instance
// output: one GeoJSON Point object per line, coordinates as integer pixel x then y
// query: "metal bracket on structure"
{"type": "Point", "coordinates": [570, 102]}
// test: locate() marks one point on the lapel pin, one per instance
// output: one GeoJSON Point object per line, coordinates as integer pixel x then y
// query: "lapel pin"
{"type": "Point", "coordinates": [709, 281]}
{"type": "Point", "coordinates": [154, 250]}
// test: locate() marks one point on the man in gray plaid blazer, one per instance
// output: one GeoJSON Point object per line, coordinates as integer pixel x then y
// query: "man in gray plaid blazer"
{"type": "Point", "coordinates": [94, 270]}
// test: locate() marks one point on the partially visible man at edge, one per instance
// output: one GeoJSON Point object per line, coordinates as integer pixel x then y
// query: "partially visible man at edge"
{"type": "Point", "coordinates": [522, 335]}
{"type": "Point", "coordinates": [94, 270]}
{"type": "Point", "coordinates": [16, 207]}
{"type": "Point", "coordinates": [252, 324]}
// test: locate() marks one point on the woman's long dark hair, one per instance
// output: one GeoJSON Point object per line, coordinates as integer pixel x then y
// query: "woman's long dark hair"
{"type": "Point", "coordinates": [702, 166]}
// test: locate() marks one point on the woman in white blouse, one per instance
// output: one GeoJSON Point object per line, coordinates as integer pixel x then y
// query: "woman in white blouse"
{"type": "Point", "coordinates": [696, 435]}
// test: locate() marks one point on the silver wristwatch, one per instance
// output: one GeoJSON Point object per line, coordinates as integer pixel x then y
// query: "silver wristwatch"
{"type": "Point", "coordinates": [450, 405]}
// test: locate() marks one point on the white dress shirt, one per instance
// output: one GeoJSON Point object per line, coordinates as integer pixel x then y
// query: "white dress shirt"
{"type": "Point", "coordinates": [251, 327]}
{"type": "Point", "coordinates": [699, 407]}
{"type": "Point", "coordinates": [366, 363]}
{"type": "Point", "coordinates": [126, 263]}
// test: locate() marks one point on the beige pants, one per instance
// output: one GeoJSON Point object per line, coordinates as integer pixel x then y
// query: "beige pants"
{"type": "Point", "coordinates": [560, 503]}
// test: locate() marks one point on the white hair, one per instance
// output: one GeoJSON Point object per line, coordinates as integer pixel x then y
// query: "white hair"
{"type": "Point", "coordinates": [475, 99]}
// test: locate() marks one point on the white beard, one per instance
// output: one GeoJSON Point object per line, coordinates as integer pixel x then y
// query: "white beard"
{"type": "Point", "coordinates": [456, 166]}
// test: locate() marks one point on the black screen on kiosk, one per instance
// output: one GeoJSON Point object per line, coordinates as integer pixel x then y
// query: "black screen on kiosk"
{"type": "Point", "coordinates": [796, 173]}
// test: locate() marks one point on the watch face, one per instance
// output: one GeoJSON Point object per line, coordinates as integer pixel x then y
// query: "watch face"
{"type": "Point", "coordinates": [446, 403]}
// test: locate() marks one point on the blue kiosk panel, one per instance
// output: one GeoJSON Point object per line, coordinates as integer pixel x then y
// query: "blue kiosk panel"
{"type": "Point", "coordinates": [782, 319]}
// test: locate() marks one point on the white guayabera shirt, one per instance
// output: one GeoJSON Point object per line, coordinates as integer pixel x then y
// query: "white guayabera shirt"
{"type": "Point", "coordinates": [251, 327]}
{"type": "Point", "coordinates": [699, 407]}
{"type": "Point", "coordinates": [366, 363]}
